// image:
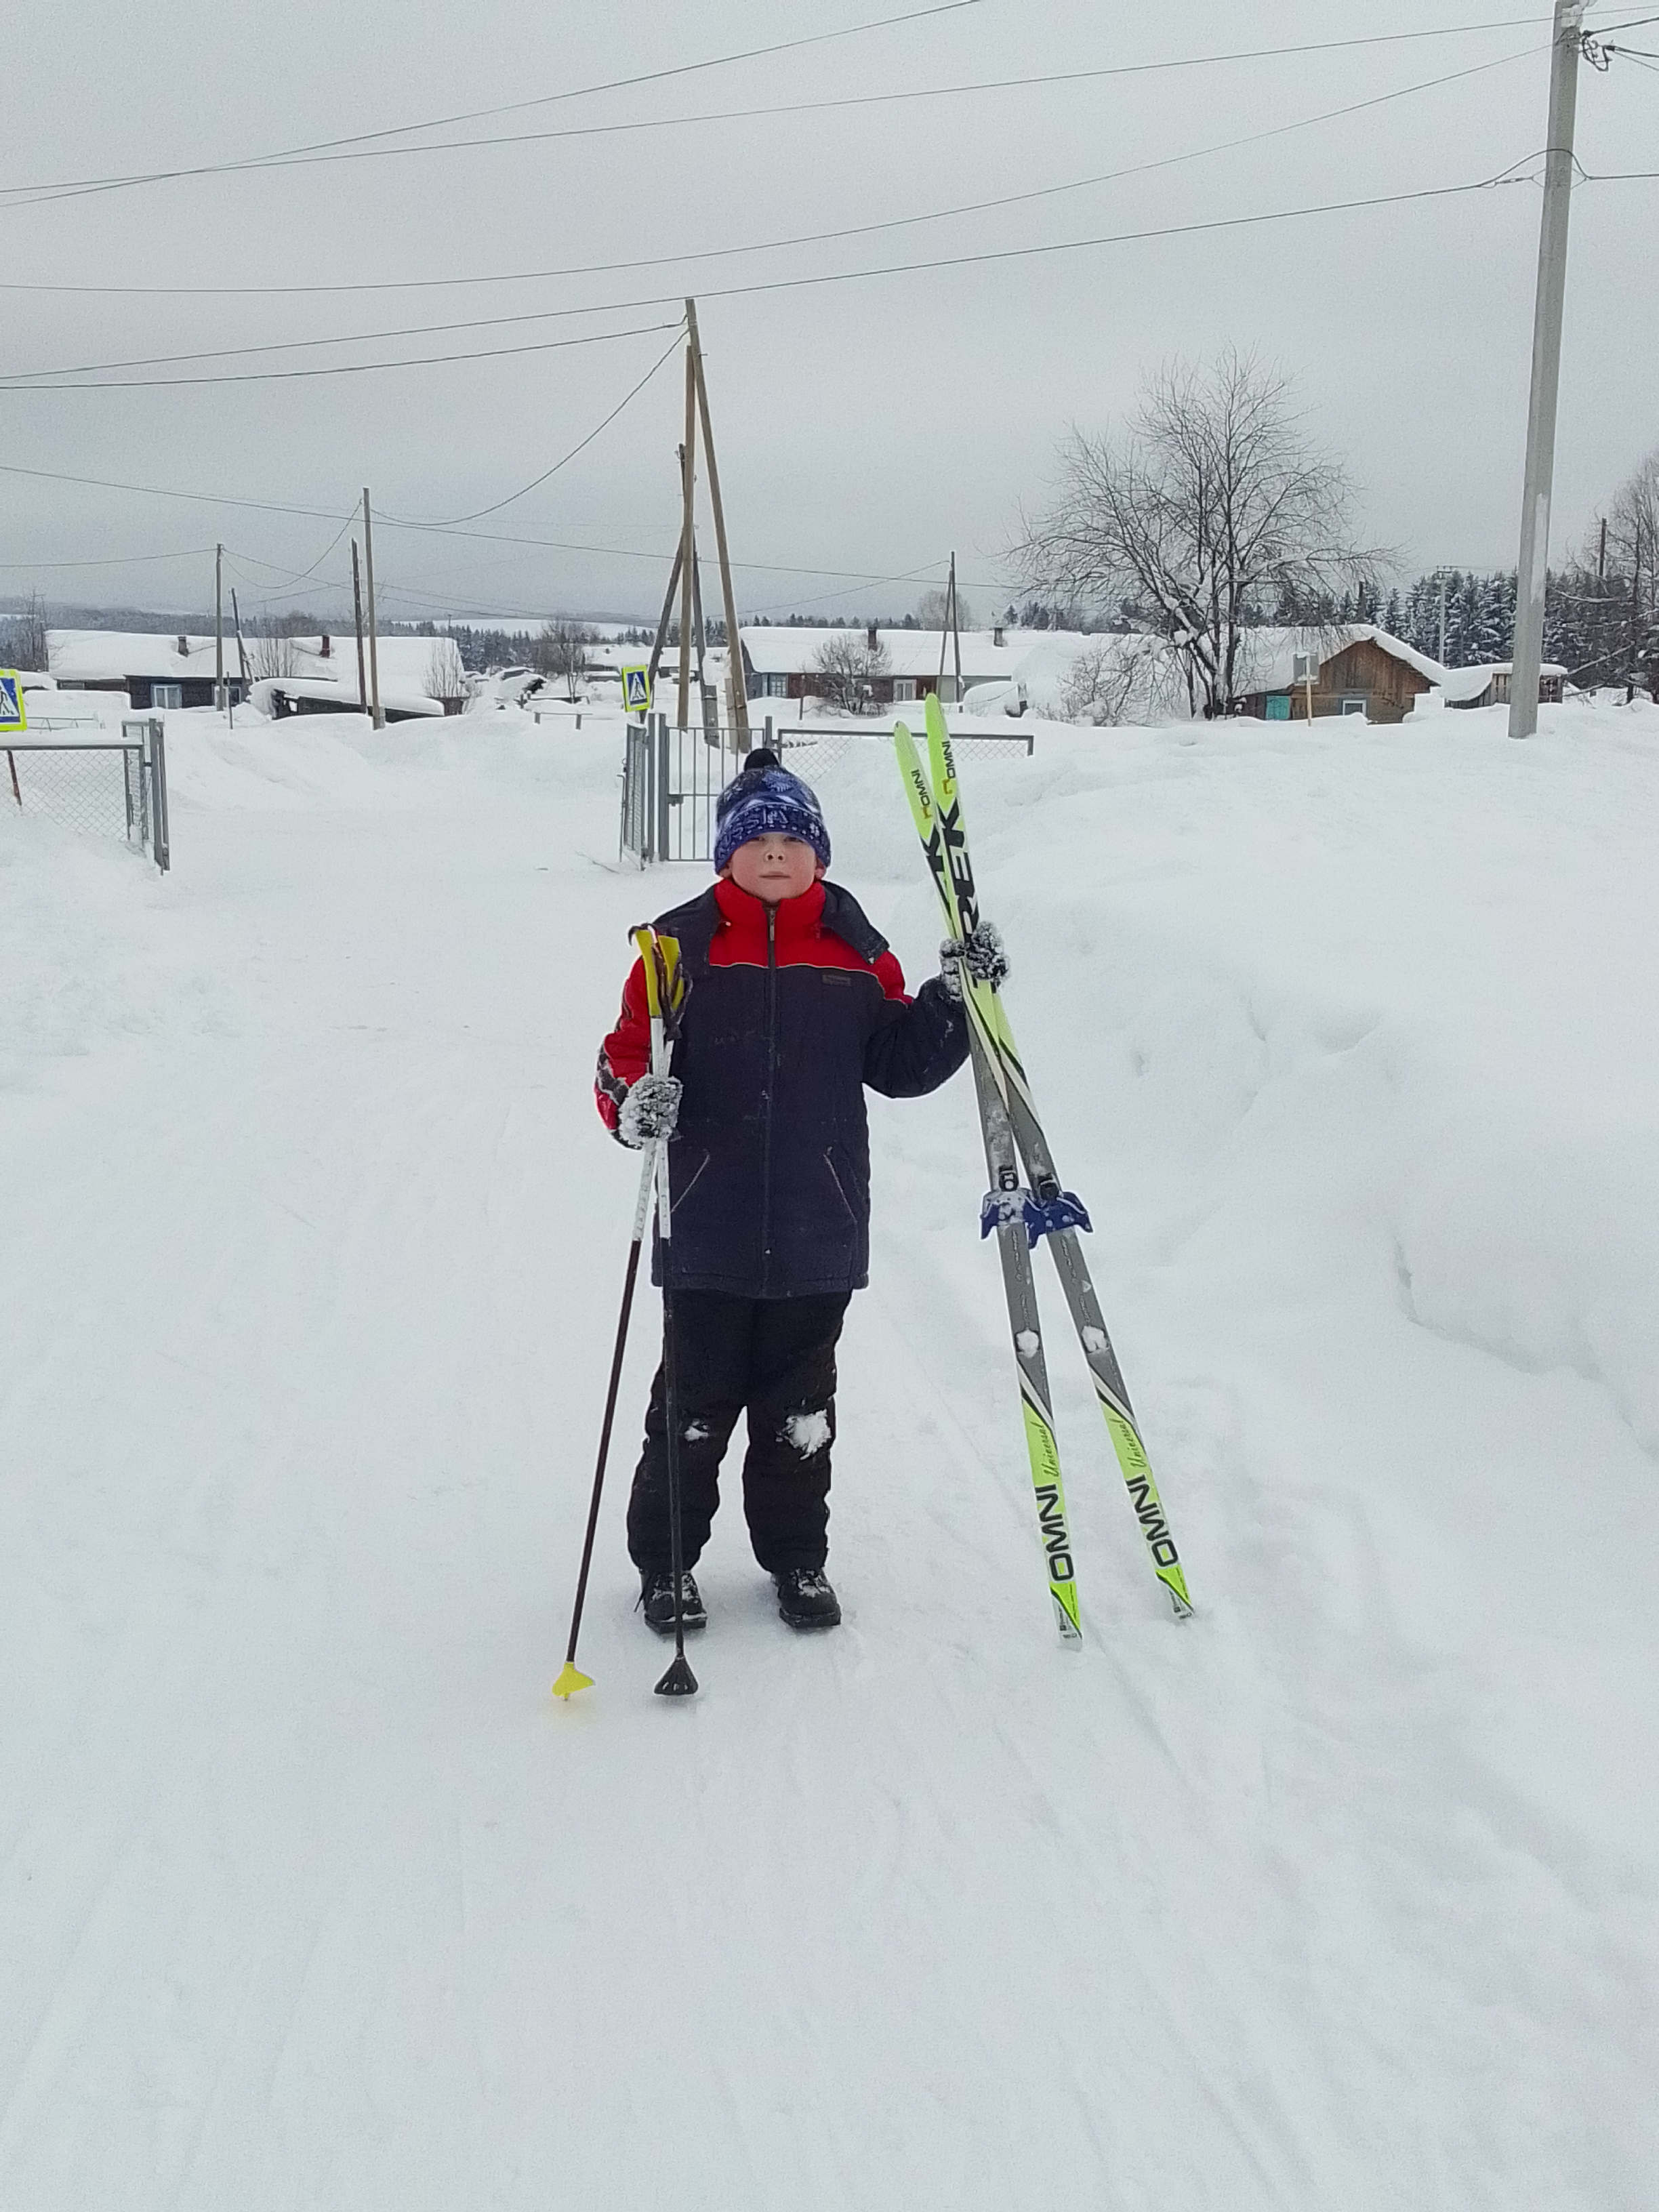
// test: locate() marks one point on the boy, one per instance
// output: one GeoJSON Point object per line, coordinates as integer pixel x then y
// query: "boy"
{"type": "Point", "coordinates": [792, 1003]}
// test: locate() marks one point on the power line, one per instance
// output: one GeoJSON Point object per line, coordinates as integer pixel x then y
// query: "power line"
{"type": "Point", "coordinates": [114, 560]}
{"type": "Point", "coordinates": [323, 149]}
{"type": "Point", "coordinates": [762, 286]}
{"type": "Point", "coordinates": [811, 238]}
{"type": "Point", "coordinates": [436, 530]}
{"type": "Point", "coordinates": [18, 196]}
{"type": "Point", "coordinates": [337, 368]}
{"type": "Point", "coordinates": [581, 447]}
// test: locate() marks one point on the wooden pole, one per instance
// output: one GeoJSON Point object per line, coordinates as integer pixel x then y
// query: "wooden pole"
{"type": "Point", "coordinates": [242, 650]}
{"type": "Point", "coordinates": [687, 479]}
{"type": "Point", "coordinates": [357, 611]}
{"type": "Point", "coordinates": [667, 610]}
{"type": "Point", "coordinates": [374, 644]}
{"type": "Point", "coordinates": [734, 642]}
{"type": "Point", "coordinates": [219, 627]}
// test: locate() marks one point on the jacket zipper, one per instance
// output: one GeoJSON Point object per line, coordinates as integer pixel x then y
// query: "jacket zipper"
{"type": "Point", "coordinates": [771, 1082]}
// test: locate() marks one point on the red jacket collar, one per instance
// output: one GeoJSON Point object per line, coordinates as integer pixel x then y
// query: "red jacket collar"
{"type": "Point", "coordinates": [742, 912]}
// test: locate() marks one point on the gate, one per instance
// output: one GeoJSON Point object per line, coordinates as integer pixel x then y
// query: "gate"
{"type": "Point", "coordinates": [109, 789]}
{"type": "Point", "coordinates": [671, 780]}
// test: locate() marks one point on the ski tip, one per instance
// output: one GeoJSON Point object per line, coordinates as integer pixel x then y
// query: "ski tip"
{"type": "Point", "coordinates": [571, 1679]}
{"type": "Point", "coordinates": [679, 1681]}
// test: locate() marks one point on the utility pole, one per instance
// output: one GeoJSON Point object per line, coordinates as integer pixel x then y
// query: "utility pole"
{"type": "Point", "coordinates": [733, 643]}
{"type": "Point", "coordinates": [1532, 578]}
{"type": "Point", "coordinates": [688, 556]}
{"type": "Point", "coordinates": [219, 627]}
{"type": "Point", "coordinates": [374, 642]}
{"type": "Point", "coordinates": [1443, 618]}
{"type": "Point", "coordinates": [956, 627]}
{"type": "Point", "coordinates": [357, 611]}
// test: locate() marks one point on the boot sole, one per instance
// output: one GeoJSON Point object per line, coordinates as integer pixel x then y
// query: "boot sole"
{"type": "Point", "coordinates": [806, 1624]}
{"type": "Point", "coordinates": [691, 1624]}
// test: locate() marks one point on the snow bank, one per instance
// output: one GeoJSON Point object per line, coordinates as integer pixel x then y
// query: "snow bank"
{"type": "Point", "coordinates": [1343, 1893]}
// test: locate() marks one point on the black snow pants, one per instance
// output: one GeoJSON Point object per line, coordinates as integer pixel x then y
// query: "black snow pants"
{"type": "Point", "coordinates": [777, 1357]}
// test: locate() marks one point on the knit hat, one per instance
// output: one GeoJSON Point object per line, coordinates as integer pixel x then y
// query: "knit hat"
{"type": "Point", "coordinates": [766, 797]}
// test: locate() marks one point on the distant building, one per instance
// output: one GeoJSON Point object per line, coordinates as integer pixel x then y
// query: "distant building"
{"type": "Point", "coordinates": [1489, 684]}
{"type": "Point", "coordinates": [781, 662]}
{"type": "Point", "coordinates": [159, 673]}
{"type": "Point", "coordinates": [1355, 670]}
{"type": "Point", "coordinates": [155, 672]}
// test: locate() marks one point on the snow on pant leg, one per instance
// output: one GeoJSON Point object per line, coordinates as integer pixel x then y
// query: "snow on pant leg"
{"type": "Point", "coordinates": [792, 1427]}
{"type": "Point", "coordinates": [712, 1334]}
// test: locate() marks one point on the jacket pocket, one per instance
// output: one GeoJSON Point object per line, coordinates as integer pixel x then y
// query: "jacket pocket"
{"type": "Point", "coordinates": [680, 1188]}
{"type": "Point", "coordinates": [847, 1187]}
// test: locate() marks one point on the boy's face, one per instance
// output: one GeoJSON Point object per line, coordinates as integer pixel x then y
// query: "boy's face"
{"type": "Point", "coordinates": [775, 867]}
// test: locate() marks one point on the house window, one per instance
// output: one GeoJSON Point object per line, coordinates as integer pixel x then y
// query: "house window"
{"type": "Point", "coordinates": [1353, 704]}
{"type": "Point", "coordinates": [904, 687]}
{"type": "Point", "coordinates": [777, 687]}
{"type": "Point", "coordinates": [167, 694]}
{"type": "Point", "coordinates": [1278, 707]}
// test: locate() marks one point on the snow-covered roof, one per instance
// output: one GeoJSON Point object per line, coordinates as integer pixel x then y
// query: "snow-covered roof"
{"type": "Point", "coordinates": [110, 656]}
{"type": "Point", "coordinates": [342, 697]}
{"type": "Point", "coordinates": [1462, 683]}
{"type": "Point", "coordinates": [792, 649]}
{"type": "Point", "coordinates": [1268, 656]}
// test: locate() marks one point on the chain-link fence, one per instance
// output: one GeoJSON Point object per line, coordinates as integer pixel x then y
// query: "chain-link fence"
{"type": "Point", "coordinates": [101, 788]}
{"type": "Point", "coordinates": [672, 778]}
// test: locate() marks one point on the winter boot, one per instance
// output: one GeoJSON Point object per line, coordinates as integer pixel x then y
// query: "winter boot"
{"type": "Point", "coordinates": [806, 1599]}
{"type": "Point", "coordinates": [657, 1596]}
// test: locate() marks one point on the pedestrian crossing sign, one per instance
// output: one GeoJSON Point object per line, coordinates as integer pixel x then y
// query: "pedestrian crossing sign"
{"type": "Point", "coordinates": [14, 715]}
{"type": "Point", "coordinates": [636, 690]}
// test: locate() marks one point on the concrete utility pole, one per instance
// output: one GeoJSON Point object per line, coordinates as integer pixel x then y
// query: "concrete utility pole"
{"type": "Point", "coordinates": [219, 627]}
{"type": "Point", "coordinates": [1443, 619]}
{"type": "Point", "coordinates": [1533, 571]}
{"type": "Point", "coordinates": [374, 635]}
{"type": "Point", "coordinates": [357, 615]}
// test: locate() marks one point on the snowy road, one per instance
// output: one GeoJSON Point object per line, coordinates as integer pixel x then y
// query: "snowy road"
{"type": "Point", "coordinates": [1343, 1894]}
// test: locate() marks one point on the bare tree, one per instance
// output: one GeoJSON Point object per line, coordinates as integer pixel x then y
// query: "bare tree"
{"type": "Point", "coordinates": [1113, 680]}
{"type": "Point", "coordinates": [849, 666]}
{"type": "Point", "coordinates": [1212, 507]}
{"type": "Point", "coordinates": [23, 637]}
{"type": "Point", "coordinates": [273, 654]}
{"type": "Point", "coordinates": [1633, 551]}
{"type": "Point", "coordinates": [561, 651]}
{"type": "Point", "coordinates": [933, 609]}
{"type": "Point", "coordinates": [446, 679]}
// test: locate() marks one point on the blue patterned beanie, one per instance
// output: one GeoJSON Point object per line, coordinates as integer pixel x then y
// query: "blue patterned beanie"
{"type": "Point", "coordinates": [766, 797]}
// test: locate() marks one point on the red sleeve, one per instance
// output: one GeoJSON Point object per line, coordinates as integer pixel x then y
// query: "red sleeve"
{"type": "Point", "coordinates": [890, 976]}
{"type": "Point", "coordinates": [626, 1053]}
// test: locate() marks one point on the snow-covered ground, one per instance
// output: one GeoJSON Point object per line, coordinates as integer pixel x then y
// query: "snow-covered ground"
{"type": "Point", "coordinates": [1341, 1895]}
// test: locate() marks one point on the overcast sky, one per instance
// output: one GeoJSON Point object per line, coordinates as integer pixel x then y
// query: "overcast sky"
{"type": "Point", "coordinates": [864, 426]}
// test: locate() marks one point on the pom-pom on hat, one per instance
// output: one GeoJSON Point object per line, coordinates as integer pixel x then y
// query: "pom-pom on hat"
{"type": "Point", "coordinates": [765, 796]}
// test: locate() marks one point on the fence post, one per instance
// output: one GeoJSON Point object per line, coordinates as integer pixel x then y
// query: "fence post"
{"type": "Point", "coordinates": [161, 844]}
{"type": "Point", "coordinates": [661, 839]}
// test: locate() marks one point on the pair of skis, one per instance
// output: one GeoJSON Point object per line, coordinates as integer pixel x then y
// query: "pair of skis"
{"type": "Point", "coordinates": [1022, 1211]}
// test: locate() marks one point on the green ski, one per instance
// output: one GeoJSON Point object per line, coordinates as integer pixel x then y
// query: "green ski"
{"type": "Point", "coordinates": [1046, 1209]}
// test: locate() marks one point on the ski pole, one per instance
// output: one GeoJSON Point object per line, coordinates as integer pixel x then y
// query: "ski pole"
{"type": "Point", "coordinates": [678, 1680]}
{"type": "Point", "coordinates": [571, 1679]}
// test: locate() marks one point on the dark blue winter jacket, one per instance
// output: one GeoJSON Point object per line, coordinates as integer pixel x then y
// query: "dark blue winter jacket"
{"type": "Point", "coordinates": [789, 1011]}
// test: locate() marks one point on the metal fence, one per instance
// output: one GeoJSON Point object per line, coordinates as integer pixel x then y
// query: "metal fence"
{"type": "Point", "coordinates": [672, 777]}
{"type": "Point", "coordinates": [100, 786]}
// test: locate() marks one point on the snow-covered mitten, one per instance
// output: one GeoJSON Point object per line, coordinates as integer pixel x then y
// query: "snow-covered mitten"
{"type": "Point", "coordinates": [650, 1111]}
{"type": "Point", "coordinates": [980, 953]}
